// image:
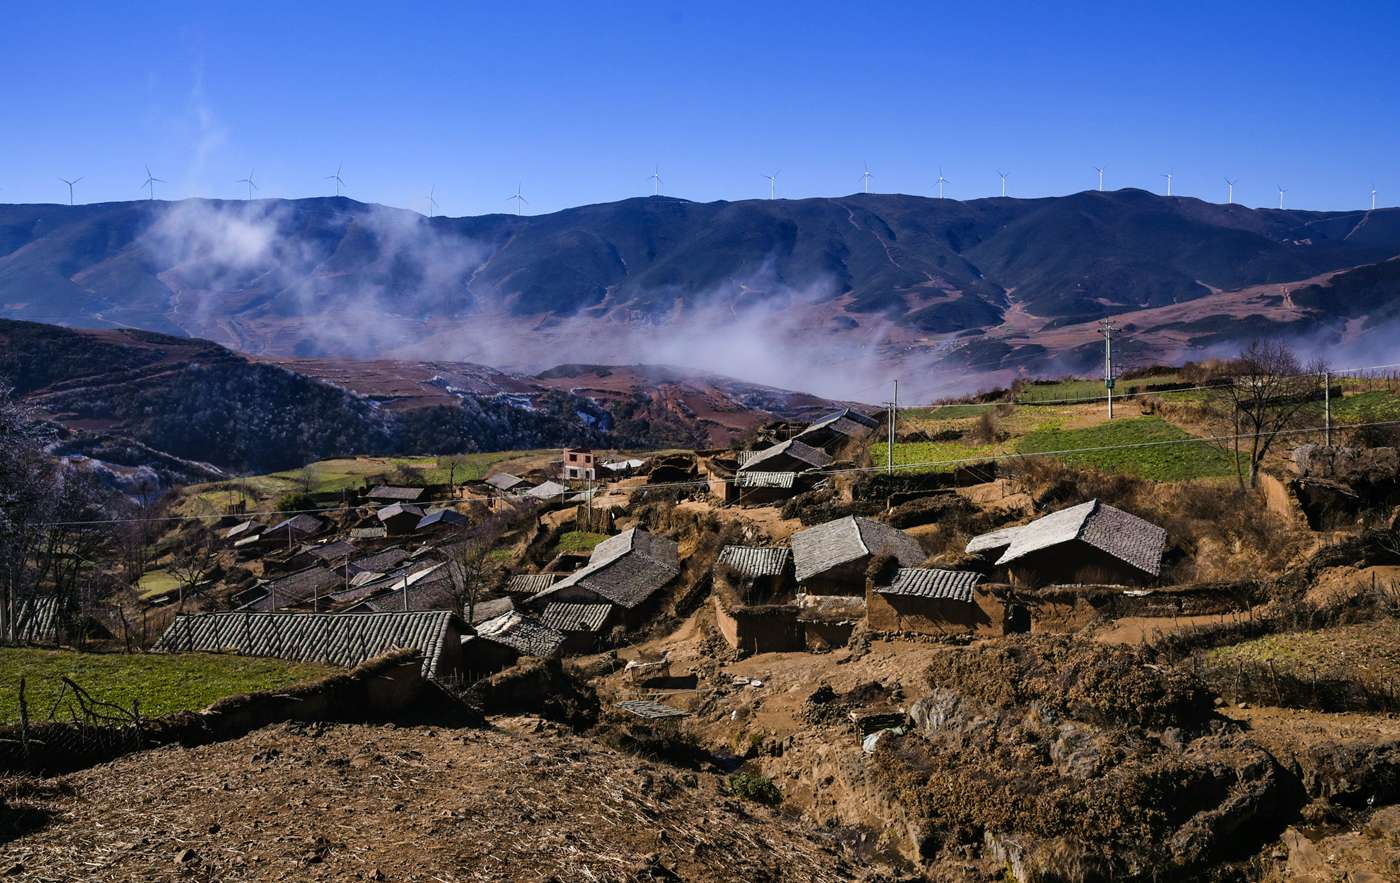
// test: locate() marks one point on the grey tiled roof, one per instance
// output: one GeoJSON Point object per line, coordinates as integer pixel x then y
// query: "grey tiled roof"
{"type": "Point", "coordinates": [380, 561]}
{"type": "Point", "coordinates": [303, 524]}
{"type": "Point", "coordinates": [765, 479]}
{"type": "Point", "coordinates": [331, 551]}
{"type": "Point", "coordinates": [934, 583]}
{"type": "Point", "coordinates": [333, 638]}
{"type": "Point", "coordinates": [427, 587]}
{"type": "Point", "coordinates": [626, 569]}
{"type": "Point", "coordinates": [522, 634]}
{"type": "Point", "coordinates": [531, 583]}
{"type": "Point", "coordinates": [441, 516]}
{"type": "Point", "coordinates": [1125, 536]}
{"type": "Point", "coordinates": [821, 548]}
{"type": "Point", "coordinates": [755, 560]}
{"type": "Point", "coordinates": [484, 610]}
{"type": "Point", "coordinates": [505, 481]}
{"type": "Point", "coordinates": [399, 510]}
{"type": "Point", "coordinates": [800, 451]}
{"type": "Point", "coordinates": [569, 616]}
{"type": "Point", "coordinates": [367, 533]}
{"type": "Point", "coordinates": [298, 588]}
{"type": "Point", "coordinates": [401, 494]}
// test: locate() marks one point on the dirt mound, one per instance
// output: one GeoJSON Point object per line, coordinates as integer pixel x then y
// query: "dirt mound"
{"type": "Point", "coordinates": [355, 802]}
{"type": "Point", "coordinates": [1094, 683]}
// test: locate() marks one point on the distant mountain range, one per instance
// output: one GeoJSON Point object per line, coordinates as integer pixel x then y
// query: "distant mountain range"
{"type": "Point", "coordinates": [826, 291]}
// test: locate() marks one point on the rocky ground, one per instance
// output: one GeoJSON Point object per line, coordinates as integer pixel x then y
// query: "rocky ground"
{"type": "Point", "coordinates": [519, 801]}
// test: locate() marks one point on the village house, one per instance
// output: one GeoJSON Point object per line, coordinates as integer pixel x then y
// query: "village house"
{"type": "Point", "coordinates": [291, 531]}
{"type": "Point", "coordinates": [578, 465]}
{"type": "Point", "coordinates": [789, 456]}
{"type": "Point", "coordinates": [392, 494]}
{"type": "Point", "coordinates": [399, 518]}
{"type": "Point", "coordinates": [1091, 543]}
{"type": "Point", "coordinates": [330, 638]}
{"type": "Point", "coordinates": [834, 431]}
{"type": "Point", "coordinates": [523, 586]}
{"type": "Point", "coordinates": [582, 623]}
{"type": "Point", "coordinates": [241, 530]}
{"type": "Point", "coordinates": [429, 586]}
{"type": "Point", "coordinates": [753, 599]}
{"type": "Point", "coordinates": [628, 570]}
{"type": "Point", "coordinates": [505, 482]}
{"type": "Point", "coordinates": [439, 519]}
{"type": "Point", "coordinates": [931, 601]}
{"type": "Point", "coordinates": [831, 558]}
{"type": "Point", "coordinates": [307, 588]}
{"type": "Point", "coordinates": [551, 491]}
{"type": "Point", "coordinates": [622, 468]}
{"type": "Point", "coordinates": [501, 642]}
{"type": "Point", "coordinates": [755, 488]}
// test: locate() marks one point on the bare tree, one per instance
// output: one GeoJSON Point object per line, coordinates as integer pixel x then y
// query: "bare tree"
{"type": "Point", "coordinates": [195, 560]}
{"type": "Point", "coordinates": [469, 563]}
{"type": "Point", "coordinates": [1269, 391]}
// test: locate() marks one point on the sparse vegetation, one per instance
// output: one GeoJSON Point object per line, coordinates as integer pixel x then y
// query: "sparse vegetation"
{"type": "Point", "coordinates": [578, 542]}
{"type": "Point", "coordinates": [753, 786]}
{"type": "Point", "coordinates": [163, 683]}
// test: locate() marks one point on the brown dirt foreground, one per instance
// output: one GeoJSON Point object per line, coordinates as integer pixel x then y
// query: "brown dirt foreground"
{"type": "Point", "coordinates": [519, 802]}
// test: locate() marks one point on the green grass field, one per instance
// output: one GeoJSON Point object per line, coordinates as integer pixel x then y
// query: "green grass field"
{"type": "Point", "coordinates": [1074, 388]}
{"type": "Point", "coordinates": [155, 582]}
{"type": "Point", "coordinates": [933, 456]}
{"type": "Point", "coordinates": [578, 542]}
{"type": "Point", "coordinates": [1158, 462]}
{"type": "Point", "coordinates": [1366, 650]}
{"type": "Point", "coordinates": [163, 683]}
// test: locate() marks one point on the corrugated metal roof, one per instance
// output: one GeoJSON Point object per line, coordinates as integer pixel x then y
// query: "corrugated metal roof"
{"type": "Point", "coordinates": [333, 638]}
{"type": "Point", "coordinates": [765, 479]}
{"type": "Point", "coordinates": [1125, 536]}
{"type": "Point", "coordinates": [933, 583]}
{"type": "Point", "coordinates": [522, 634]}
{"type": "Point", "coordinates": [792, 448]}
{"type": "Point", "coordinates": [531, 583]}
{"type": "Point", "coordinates": [819, 549]}
{"type": "Point", "coordinates": [567, 616]}
{"type": "Point", "coordinates": [755, 561]}
{"type": "Point", "coordinates": [505, 481]}
{"type": "Point", "coordinates": [626, 569]}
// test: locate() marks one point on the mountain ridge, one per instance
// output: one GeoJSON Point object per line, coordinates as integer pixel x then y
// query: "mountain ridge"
{"type": "Point", "coordinates": [873, 278]}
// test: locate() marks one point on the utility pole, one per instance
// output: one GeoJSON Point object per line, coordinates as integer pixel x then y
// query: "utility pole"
{"type": "Point", "coordinates": [889, 449]}
{"type": "Point", "coordinates": [1327, 404]}
{"type": "Point", "coordinates": [1106, 329]}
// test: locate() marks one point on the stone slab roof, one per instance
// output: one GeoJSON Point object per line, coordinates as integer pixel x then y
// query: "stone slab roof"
{"type": "Point", "coordinates": [826, 546]}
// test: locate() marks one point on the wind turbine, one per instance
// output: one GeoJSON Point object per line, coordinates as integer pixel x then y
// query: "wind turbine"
{"type": "Point", "coordinates": [1003, 182]}
{"type": "Point", "coordinates": [1168, 176]}
{"type": "Point", "coordinates": [150, 183]}
{"type": "Point", "coordinates": [941, 181]}
{"type": "Point", "coordinates": [773, 184]}
{"type": "Point", "coordinates": [1230, 191]}
{"type": "Point", "coordinates": [1373, 197]}
{"type": "Point", "coordinates": [866, 178]}
{"type": "Point", "coordinates": [1281, 191]}
{"type": "Point", "coordinates": [1099, 169]}
{"type": "Point", "coordinates": [70, 186]}
{"type": "Point", "coordinates": [336, 178]}
{"type": "Point", "coordinates": [249, 181]}
{"type": "Point", "coordinates": [432, 203]}
{"type": "Point", "coordinates": [655, 179]}
{"type": "Point", "coordinates": [519, 200]}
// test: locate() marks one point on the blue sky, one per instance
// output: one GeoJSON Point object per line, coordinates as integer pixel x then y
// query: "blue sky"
{"type": "Point", "coordinates": [577, 101]}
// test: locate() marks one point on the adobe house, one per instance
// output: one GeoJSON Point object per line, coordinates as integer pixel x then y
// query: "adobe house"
{"type": "Point", "coordinates": [399, 518]}
{"type": "Point", "coordinates": [501, 642]}
{"type": "Point", "coordinates": [441, 518]}
{"type": "Point", "coordinates": [1091, 543]}
{"type": "Point", "coordinates": [583, 624]}
{"type": "Point", "coordinates": [505, 482]}
{"type": "Point", "coordinates": [754, 488]}
{"type": "Point", "coordinates": [292, 530]}
{"type": "Point", "coordinates": [753, 599]}
{"type": "Point", "coordinates": [931, 601]}
{"type": "Point", "coordinates": [578, 465]}
{"type": "Point", "coordinates": [628, 570]}
{"type": "Point", "coordinates": [831, 558]}
{"type": "Point", "coordinates": [834, 431]}
{"type": "Point", "coordinates": [789, 456]}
